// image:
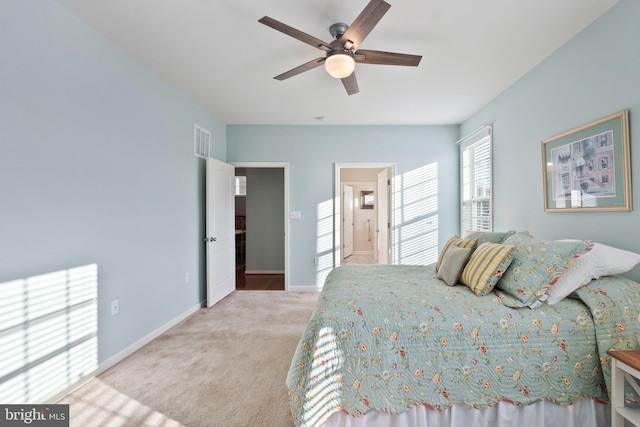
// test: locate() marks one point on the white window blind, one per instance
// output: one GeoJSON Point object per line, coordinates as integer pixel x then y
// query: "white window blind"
{"type": "Point", "coordinates": [476, 181]}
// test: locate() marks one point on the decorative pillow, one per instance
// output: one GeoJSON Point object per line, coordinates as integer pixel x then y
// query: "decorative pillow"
{"type": "Point", "coordinates": [455, 241]}
{"type": "Point", "coordinates": [486, 266]}
{"type": "Point", "coordinates": [600, 261]}
{"type": "Point", "coordinates": [491, 237]}
{"type": "Point", "coordinates": [537, 265]}
{"type": "Point", "coordinates": [452, 265]}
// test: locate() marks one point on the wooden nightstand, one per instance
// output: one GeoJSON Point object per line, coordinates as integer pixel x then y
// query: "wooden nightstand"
{"type": "Point", "coordinates": [625, 365]}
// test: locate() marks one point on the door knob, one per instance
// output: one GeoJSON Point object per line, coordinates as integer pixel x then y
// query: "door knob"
{"type": "Point", "coordinates": [213, 239]}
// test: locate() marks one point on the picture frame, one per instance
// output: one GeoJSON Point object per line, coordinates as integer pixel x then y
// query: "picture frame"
{"type": "Point", "coordinates": [367, 200]}
{"type": "Point", "coordinates": [588, 169]}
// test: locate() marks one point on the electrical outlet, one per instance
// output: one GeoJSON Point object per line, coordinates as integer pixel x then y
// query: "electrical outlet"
{"type": "Point", "coordinates": [295, 215]}
{"type": "Point", "coordinates": [316, 261]}
{"type": "Point", "coordinates": [186, 277]}
{"type": "Point", "coordinates": [114, 307]}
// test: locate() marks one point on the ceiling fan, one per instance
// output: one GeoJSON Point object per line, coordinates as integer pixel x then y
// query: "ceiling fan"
{"type": "Point", "coordinates": [342, 53]}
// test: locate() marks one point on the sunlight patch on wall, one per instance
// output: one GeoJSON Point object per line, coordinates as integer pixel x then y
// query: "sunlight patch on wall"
{"type": "Point", "coordinates": [48, 333]}
{"type": "Point", "coordinates": [324, 241]}
{"type": "Point", "coordinates": [415, 216]}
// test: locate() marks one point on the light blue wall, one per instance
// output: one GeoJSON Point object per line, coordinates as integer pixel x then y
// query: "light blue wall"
{"type": "Point", "coordinates": [97, 166]}
{"type": "Point", "coordinates": [593, 75]}
{"type": "Point", "coordinates": [426, 158]}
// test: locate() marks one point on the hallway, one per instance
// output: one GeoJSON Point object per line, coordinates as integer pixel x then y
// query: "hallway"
{"type": "Point", "coordinates": [359, 259]}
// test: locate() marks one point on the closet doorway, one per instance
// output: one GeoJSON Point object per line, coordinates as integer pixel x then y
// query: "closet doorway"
{"type": "Point", "coordinates": [362, 213]}
{"type": "Point", "coordinates": [262, 254]}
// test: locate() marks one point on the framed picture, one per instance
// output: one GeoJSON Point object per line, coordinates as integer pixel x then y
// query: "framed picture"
{"type": "Point", "coordinates": [366, 200]}
{"type": "Point", "coordinates": [588, 168]}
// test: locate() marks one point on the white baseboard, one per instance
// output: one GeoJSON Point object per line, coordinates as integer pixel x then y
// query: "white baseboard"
{"type": "Point", "coordinates": [147, 339]}
{"type": "Point", "coordinates": [264, 272]}
{"type": "Point", "coordinates": [125, 353]}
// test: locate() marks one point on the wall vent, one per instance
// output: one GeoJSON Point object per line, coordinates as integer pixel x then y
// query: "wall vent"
{"type": "Point", "coordinates": [201, 142]}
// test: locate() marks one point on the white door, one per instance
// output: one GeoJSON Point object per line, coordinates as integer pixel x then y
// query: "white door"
{"type": "Point", "coordinates": [347, 221]}
{"type": "Point", "coordinates": [220, 239]}
{"type": "Point", "coordinates": [383, 217]}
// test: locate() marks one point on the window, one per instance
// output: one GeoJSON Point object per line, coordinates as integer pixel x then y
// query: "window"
{"type": "Point", "coordinates": [604, 163]}
{"type": "Point", "coordinates": [577, 147]}
{"type": "Point", "coordinates": [604, 140]}
{"type": "Point", "coordinates": [476, 182]}
{"type": "Point", "coordinates": [241, 185]}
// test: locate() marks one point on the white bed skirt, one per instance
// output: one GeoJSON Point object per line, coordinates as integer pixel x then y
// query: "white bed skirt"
{"type": "Point", "coordinates": [584, 413]}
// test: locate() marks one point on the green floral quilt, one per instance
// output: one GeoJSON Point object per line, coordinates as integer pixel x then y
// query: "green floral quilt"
{"type": "Point", "coordinates": [390, 337]}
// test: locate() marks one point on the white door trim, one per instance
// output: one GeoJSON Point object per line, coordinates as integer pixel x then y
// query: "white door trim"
{"type": "Point", "coordinates": [285, 167]}
{"type": "Point", "coordinates": [336, 205]}
{"type": "Point", "coordinates": [382, 241]}
{"type": "Point", "coordinates": [347, 226]}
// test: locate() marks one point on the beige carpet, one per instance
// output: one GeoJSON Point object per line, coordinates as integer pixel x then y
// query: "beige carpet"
{"type": "Point", "coordinates": [224, 366]}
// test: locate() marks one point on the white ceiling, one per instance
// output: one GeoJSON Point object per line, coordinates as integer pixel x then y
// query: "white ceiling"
{"type": "Point", "coordinates": [217, 53]}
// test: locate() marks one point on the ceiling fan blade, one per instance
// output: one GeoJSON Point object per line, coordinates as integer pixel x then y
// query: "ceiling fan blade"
{"type": "Point", "coordinates": [351, 83]}
{"type": "Point", "coordinates": [364, 23]}
{"type": "Point", "coordinates": [301, 69]}
{"type": "Point", "coordinates": [296, 34]}
{"type": "Point", "coordinates": [386, 58]}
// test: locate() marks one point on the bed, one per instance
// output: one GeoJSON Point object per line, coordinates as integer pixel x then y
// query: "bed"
{"type": "Point", "coordinates": [394, 345]}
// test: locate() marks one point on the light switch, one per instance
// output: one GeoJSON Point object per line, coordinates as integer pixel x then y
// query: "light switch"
{"type": "Point", "coordinates": [295, 215]}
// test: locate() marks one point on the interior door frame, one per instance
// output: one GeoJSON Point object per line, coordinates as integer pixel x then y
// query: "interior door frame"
{"type": "Point", "coordinates": [337, 257]}
{"type": "Point", "coordinates": [285, 167]}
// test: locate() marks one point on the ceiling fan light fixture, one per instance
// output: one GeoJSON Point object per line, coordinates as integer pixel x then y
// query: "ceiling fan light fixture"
{"type": "Point", "coordinates": [340, 55]}
{"type": "Point", "coordinates": [340, 65]}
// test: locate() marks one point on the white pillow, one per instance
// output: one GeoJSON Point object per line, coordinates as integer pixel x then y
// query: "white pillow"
{"type": "Point", "coordinates": [601, 260]}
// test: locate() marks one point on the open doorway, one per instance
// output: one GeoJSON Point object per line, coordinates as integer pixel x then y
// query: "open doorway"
{"type": "Point", "coordinates": [262, 226]}
{"type": "Point", "coordinates": [362, 213]}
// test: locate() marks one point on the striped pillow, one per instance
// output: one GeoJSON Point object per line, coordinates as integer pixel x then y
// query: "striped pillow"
{"type": "Point", "coordinates": [456, 241]}
{"type": "Point", "coordinates": [486, 266]}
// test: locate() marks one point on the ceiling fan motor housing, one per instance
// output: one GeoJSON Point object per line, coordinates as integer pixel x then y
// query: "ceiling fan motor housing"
{"type": "Point", "coordinates": [337, 30]}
